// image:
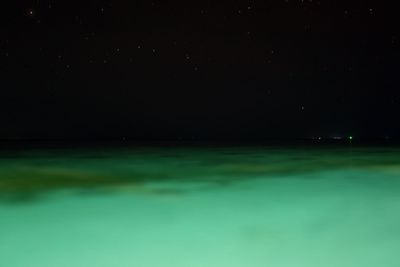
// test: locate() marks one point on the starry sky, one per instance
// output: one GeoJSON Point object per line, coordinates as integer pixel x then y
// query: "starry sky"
{"type": "Point", "coordinates": [199, 70]}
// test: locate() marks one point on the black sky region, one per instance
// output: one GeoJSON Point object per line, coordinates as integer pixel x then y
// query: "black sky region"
{"type": "Point", "coordinates": [199, 70]}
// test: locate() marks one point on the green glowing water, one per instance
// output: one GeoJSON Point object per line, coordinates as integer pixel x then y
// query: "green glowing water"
{"type": "Point", "coordinates": [151, 207]}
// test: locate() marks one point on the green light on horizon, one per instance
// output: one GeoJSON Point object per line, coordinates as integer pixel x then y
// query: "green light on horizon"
{"type": "Point", "coordinates": [350, 137]}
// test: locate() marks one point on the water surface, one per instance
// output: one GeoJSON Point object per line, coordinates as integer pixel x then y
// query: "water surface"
{"type": "Point", "coordinates": [200, 206]}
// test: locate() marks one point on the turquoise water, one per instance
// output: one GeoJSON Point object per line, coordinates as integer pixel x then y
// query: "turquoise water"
{"type": "Point", "coordinates": [146, 207]}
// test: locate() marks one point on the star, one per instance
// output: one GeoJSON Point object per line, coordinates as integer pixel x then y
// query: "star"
{"type": "Point", "coordinates": [31, 12]}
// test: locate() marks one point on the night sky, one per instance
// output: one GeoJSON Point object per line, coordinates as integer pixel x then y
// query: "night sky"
{"type": "Point", "coordinates": [199, 70]}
